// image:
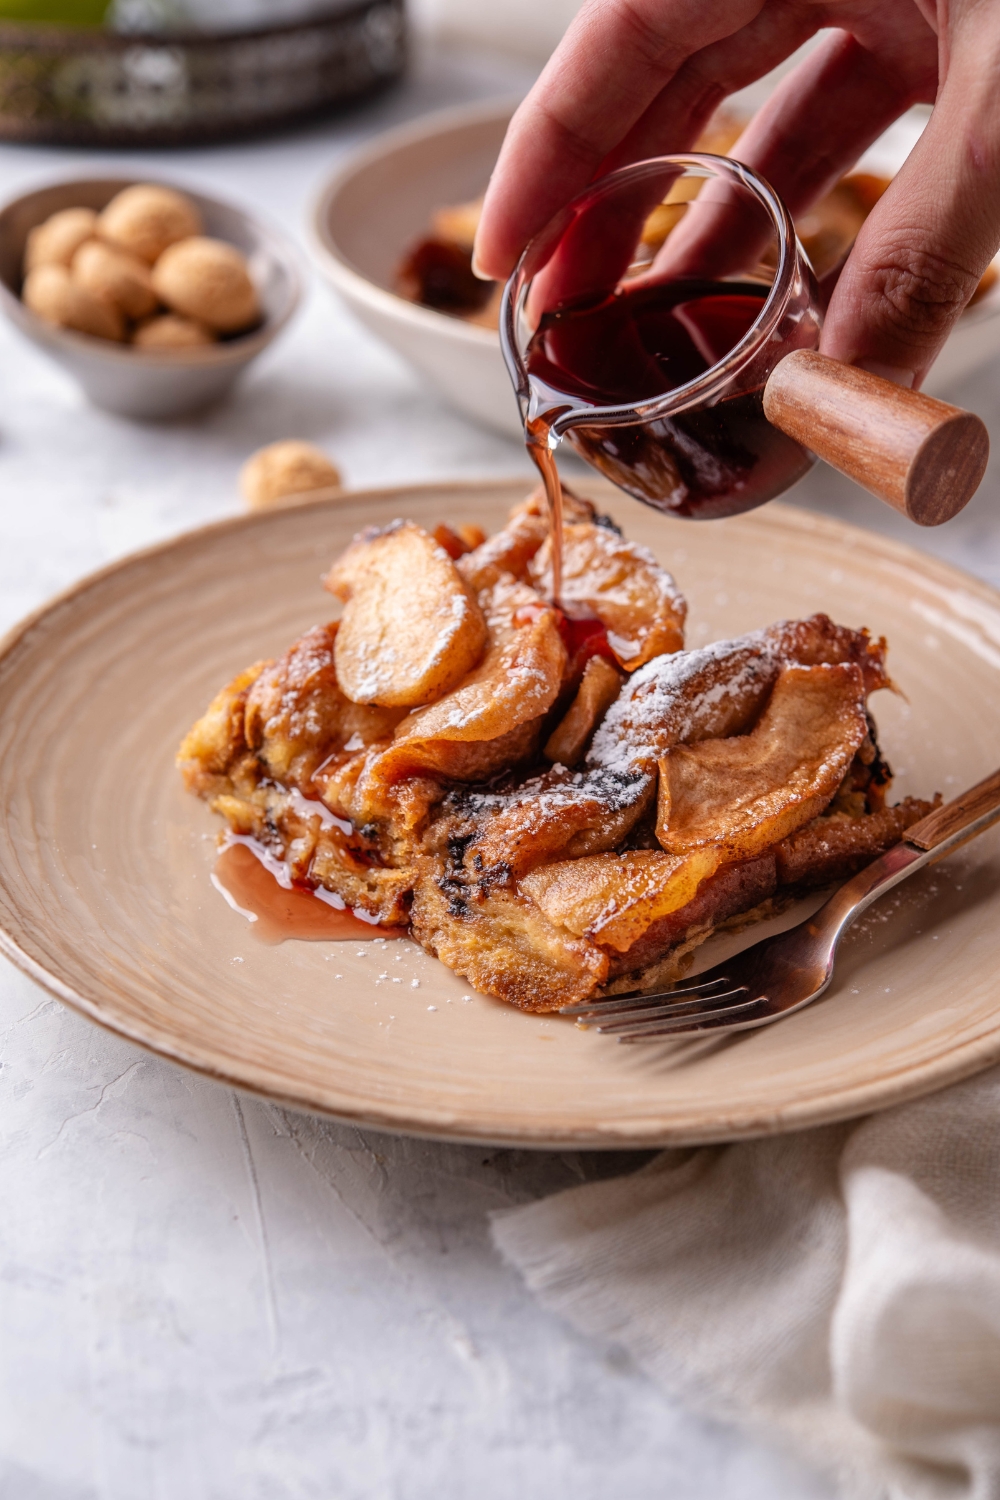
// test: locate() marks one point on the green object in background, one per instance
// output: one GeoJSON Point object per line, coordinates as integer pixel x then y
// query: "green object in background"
{"type": "Point", "coordinates": [56, 12]}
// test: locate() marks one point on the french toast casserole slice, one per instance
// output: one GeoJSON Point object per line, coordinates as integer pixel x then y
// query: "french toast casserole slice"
{"type": "Point", "coordinates": [554, 801]}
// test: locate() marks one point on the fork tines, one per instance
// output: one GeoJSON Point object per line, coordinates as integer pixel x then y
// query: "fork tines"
{"type": "Point", "coordinates": [637, 1015]}
{"type": "Point", "coordinates": [701, 988]}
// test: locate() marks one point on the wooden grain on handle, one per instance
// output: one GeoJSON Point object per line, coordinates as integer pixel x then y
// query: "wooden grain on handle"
{"type": "Point", "coordinates": [954, 816]}
{"type": "Point", "coordinates": [923, 457]}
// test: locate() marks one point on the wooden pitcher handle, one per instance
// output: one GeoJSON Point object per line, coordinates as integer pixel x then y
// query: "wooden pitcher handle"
{"type": "Point", "coordinates": [922, 456]}
{"type": "Point", "coordinates": [956, 815]}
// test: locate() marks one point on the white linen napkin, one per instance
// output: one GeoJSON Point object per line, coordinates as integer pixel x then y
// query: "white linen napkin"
{"type": "Point", "coordinates": [839, 1288]}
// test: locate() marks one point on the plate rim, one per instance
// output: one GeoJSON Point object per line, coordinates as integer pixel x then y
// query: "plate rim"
{"type": "Point", "coordinates": [845, 1102]}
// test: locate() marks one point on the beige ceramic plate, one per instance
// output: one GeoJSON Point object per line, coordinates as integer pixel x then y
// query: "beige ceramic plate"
{"type": "Point", "coordinates": [105, 895]}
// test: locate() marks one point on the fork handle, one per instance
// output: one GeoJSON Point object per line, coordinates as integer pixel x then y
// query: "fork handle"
{"type": "Point", "coordinates": [957, 815]}
{"type": "Point", "coordinates": [924, 843]}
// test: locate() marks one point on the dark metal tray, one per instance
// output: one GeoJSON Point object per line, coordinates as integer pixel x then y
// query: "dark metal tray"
{"type": "Point", "coordinates": [106, 88]}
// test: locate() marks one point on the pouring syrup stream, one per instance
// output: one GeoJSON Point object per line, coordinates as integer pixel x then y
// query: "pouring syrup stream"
{"type": "Point", "coordinates": [630, 347]}
{"type": "Point", "coordinates": [536, 432]}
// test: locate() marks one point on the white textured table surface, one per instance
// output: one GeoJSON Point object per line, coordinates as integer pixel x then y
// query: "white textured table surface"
{"type": "Point", "coordinates": [204, 1297]}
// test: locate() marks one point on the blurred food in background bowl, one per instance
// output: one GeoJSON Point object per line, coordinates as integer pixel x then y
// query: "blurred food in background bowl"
{"type": "Point", "coordinates": [375, 207]}
{"type": "Point", "coordinates": [436, 271]}
{"type": "Point", "coordinates": [393, 230]}
{"type": "Point", "coordinates": [160, 375]}
{"type": "Point", "coordinates": [164, 72]}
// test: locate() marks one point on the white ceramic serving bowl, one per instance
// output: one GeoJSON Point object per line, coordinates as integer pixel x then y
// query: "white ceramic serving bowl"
{"type": "Point", "coordinates": [381, 199]}
{"type": "Point", "coordinates": [371, 211]}
{"type": "Point", "coordinates": [143, 383]}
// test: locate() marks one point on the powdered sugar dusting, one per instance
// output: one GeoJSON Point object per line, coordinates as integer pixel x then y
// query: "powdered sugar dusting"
{"type": "Point", "coordinates": [688, 695]}
{"type": "Point", "coordinates": [373, 664]}
{"type": "Point", "coordinates": [516, 680]}
{"type": "Point", "coordinates": [542, 797]}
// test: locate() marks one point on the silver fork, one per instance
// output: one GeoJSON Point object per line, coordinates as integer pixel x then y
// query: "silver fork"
{"type": "Point", "coordinates": [782, 974]}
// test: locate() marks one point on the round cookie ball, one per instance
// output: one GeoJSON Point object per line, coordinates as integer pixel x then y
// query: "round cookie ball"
{"type": "Point", "coordinates": [145, 218]}
{"type": "Point", "coordinates": [116, 276]}
{"type": "Point", "coordinates": [55, 242]}
{"type": "Point", "coordinates": [51, 292]}
{"type": "Point", "coordinates": [208, 280]}
{"type": "Point", "coordinates": [168, 331]}
{"type": "Point", "coordinates": [288, 468]}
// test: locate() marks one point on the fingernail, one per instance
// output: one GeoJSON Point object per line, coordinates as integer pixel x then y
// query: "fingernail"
{"type": "Point", "coordinates": [477, 269]}
{"type": "Point", "coordinates": [895, 373]}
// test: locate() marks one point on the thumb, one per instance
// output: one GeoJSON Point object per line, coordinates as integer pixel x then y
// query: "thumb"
{"type": "Point", "coordinates": [924, 247]}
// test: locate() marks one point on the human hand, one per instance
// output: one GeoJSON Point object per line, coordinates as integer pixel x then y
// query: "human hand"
{"type": "Point", "coordinates": [640, 78]}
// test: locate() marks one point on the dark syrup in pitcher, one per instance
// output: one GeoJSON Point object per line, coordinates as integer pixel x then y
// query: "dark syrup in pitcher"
{"type": "Point", "coordinates": [639, 343]}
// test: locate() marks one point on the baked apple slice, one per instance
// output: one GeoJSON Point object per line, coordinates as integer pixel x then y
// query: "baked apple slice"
{"type": "Point", "coordinates": [411, 627]}
{"type": "Point", "coordinates": [741, 795]}
{"type": "Point", "coordinates": [297, 717]}
{"type": "Point", "coordinates": [711, 693]}
{"type": "Point", "coordinates": [620, 583]}
{"type": "Point", "coordinates": [599, 687]}
{"type": "Point", "coordinates": [612, 899]}
{"type": "Point", "coordinates": [511, 549]}
{"type": "Point", "coordinates": [492, 720]}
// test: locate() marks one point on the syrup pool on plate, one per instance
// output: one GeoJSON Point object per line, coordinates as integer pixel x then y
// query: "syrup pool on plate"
{"type": "Point", "coordinates": [278, 912]}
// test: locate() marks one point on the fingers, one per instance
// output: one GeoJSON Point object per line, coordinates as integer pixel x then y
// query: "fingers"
{"type": "Point", "coordinates": [928, 240]}
{"type": "Point", "coordinates": [623, 86]}
{"type": "Point", "coordinates": [613, 62]}
{"type": "Point", "coordinates": [813, 128]}
{"type": "Point", "coordinates": [834, 104]}
{"type": "Point", "coordinates": [676, 117]}
{"type": "Point", "coordinates": [639, 77]}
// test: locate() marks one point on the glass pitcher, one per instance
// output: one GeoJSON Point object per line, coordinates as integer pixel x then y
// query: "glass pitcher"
{"type": "Point", "coordinates": [643, 322]}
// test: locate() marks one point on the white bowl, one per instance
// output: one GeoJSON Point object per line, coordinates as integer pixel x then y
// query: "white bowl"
{"type": "Point", "coordinates": [146, 383]}
{"type": "Point", "coordinates": [372, 210]}
{"type": "Point", "coordinates": [381, 199]}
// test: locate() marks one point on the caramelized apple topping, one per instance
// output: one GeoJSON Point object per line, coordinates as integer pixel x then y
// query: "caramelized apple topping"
{"type": "Point", "coordinates": [297, 716]}
{"type": "Point", "coordinates": [743, 794]}
{"type": "Point", "coordinates": [411, 627]}
{"type": "Point", "coordinates": [719, 690]}
{"type": "Point", "coordinates": [511, 549]}
{"type": "Point", "coordinates": [613, 898]}
{"type": "Point", "coordinates": [599, 687]}
{"type": "Point", "coordinates": [620, 583]}
{"type": "Point", "coordinates": [499, 705]}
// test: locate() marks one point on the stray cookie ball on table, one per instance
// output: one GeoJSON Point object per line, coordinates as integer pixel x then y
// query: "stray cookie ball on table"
{"type": "Point", "coordinates": [273, 474]}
